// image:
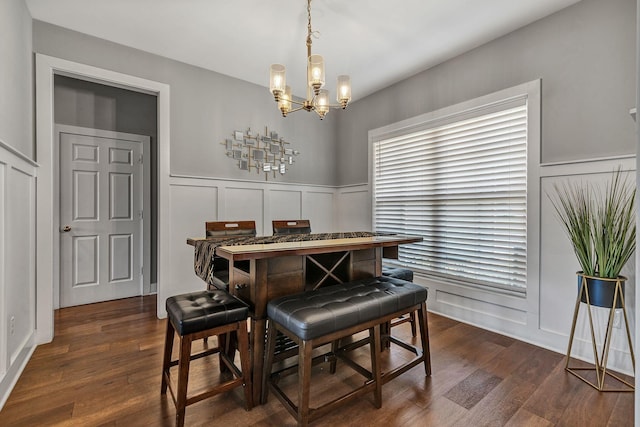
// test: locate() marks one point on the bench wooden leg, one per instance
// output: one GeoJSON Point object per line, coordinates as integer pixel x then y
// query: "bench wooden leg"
{"type": "Point", "coordinates": [374, 345]}
{"type": "Point", "coordinates": [424, 337]}
{"type": "Point", "coordinates": [304, 375]}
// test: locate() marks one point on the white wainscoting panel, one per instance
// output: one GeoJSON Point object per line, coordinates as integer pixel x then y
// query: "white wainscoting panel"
{"type": "Point", "coordinates": [243, 203]}
{"type": "Point", "coordinates": [354, 208]}
{"type": "Point", "coordinates": [19, 274]}
{"type": "Point", "coordinates": [17, 265]}
{"type": "Point", "coordinates": [283, 204]}
{"type": "Point", "coordinates": [192, 204]}
{"type": "Point", "coordinates": [318, 206]}
{"type": "Point", "coordinates": [503, 313]}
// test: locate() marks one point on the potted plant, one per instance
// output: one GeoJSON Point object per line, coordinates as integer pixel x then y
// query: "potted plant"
{"type": "Point", "coordinates": [602, 228]}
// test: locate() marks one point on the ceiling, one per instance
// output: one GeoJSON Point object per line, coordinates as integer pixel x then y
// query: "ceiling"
{"type": "Point", "coordinates": [376, 42]}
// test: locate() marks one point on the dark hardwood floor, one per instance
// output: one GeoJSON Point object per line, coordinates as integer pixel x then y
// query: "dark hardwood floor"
{"type": "Point", "coordinates": [103, 369]}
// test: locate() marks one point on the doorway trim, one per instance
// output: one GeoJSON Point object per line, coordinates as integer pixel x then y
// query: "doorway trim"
{"type": "Point", "coordinates": [47, 192]}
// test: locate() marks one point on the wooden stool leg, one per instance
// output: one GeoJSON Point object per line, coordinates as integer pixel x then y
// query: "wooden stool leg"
{"type": "Point", "coordinates": [225, 342]}
{"type": "Point", "coordinates": [183, 379]}
{"type": "Point", "coordinates": [272, 333]}
{"type": "Point", "coordinates": [166, 360]}
{"type": "Point", "coordinates": [304, 375]}
{"type": "Point", "coordinates": [385, 331]}
{"type": "Point", "coordinates": [335, 345]}
{"type": "Point", "coordinates": [222, 344]}
{"type": "Point", "coordinates": [424, 337]}
{"type": "Point", "coordinates": [412, 316]}
{"type": "Point", "coordinates": [245, 363]}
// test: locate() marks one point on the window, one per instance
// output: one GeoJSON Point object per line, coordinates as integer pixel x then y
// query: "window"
{"type": "Point", "coordinates": [459, 180]}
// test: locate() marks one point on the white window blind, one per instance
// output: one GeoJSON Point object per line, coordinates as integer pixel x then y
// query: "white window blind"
{"type": "Point", "coordinates": [461, 185]}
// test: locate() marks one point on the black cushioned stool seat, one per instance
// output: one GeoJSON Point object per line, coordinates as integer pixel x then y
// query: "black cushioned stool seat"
{"type": "Point", "coordinates": [327, 314]}
{"type": "Point", "coordinates": [404, 274]}
{"type": "Point", "coordinates": [398, 273]}
{"type": "Point", "coordinates": [200, 315]}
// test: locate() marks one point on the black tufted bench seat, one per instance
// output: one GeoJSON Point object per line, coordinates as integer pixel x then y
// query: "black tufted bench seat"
{"type": "Point", "coordinates": [328, 314]}
{"type": "Point", "coordinates": [200, 315]}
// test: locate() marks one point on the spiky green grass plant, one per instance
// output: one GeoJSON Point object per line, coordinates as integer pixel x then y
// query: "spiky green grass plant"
{"type": "Point", "coordinates": [601, 225]}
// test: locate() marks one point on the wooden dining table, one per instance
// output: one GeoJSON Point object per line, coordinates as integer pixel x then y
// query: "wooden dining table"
{"type": "Point", "coordinates": [260, 272]}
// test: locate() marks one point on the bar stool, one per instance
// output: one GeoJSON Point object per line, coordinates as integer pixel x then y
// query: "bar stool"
{"type": "Point", "coordinates": [404, 274]}
{"type": "Point", "coordinates": [200, 315]}
{"type": "Point", "coordinates": [225, 229]}
{"type": "Point", "coordinates": [293, 226]}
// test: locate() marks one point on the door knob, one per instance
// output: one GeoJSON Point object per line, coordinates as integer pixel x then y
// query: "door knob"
{"type": "Point", "coordinates": [66, 228]}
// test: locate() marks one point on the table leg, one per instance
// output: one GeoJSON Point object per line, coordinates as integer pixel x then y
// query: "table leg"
{"type": "Point", "coordinates": [258, 331]}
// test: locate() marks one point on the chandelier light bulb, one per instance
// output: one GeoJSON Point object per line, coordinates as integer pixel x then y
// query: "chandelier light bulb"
{"type": "Point", "coordinates": [322, 103]}
{"type": "Point", "coordinates": [285, 102]}
{"type": "Point", "coordinates": [344, 90]}
{"type": "Point", "coordinates": [277, 80]}
{"type": "Point", "coordinates": [316, 72]}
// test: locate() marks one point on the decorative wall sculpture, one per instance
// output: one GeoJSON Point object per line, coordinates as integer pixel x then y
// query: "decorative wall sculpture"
{"type": "Point", "coordinates": [267, 153]}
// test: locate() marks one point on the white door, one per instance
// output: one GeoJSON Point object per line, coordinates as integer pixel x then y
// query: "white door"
{"type": "Point", "coordinates": [100, 218]}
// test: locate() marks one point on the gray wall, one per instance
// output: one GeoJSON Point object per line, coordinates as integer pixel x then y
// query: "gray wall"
{"type": "Point", "coordinates": [206, 107]}
{"type": "Point", "coordinates": [92, 105]}
{"type": "Point", "coordinates": [16, 93]}
{"type": "Point", "coordinates": [585, 56]}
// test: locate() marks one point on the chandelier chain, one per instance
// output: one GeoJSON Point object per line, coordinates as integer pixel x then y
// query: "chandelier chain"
{"type": "Point", "coordinates": [310, 32]}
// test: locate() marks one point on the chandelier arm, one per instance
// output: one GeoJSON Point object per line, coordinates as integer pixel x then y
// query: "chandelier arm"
{"type": "Point", "coordinates": [296, 109]}
{"type": "Point", "coordinates": [293, 101]}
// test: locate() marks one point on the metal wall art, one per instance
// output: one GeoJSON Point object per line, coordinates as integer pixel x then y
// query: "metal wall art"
{"type": "Point", "coordinates": [267, 153]}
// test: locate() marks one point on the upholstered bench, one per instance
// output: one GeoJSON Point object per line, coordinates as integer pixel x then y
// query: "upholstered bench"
{"type": "Point", "coordinates": [200, 315]}
{"type": "Point", "coordinates": [404, 274]}
{"type": "Point", "coordinates": [328, 314]}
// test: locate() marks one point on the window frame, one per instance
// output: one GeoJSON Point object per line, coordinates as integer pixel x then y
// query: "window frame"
{"type": "Point", "coordinates": [530, 92]}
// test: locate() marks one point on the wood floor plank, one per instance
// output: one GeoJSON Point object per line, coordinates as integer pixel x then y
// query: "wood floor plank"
{"type": "Point", "coordinates": [500, 404]}
{"type": "Point", "coordinates": [525, 418]}
{"type": "Point", "coordinates": [103, 369]}
{"type": "Point", "coordinates": [54, 416]}
{"type": "Point", "coordinates": [550, 400]}
{"type": "Point", "coordinates": [588, 407]}
{"type": "Point", "coordinates": [621, 411]}
{"type": "Point", "coordinates": [508, 360]}
{"type": "Point", "coordinates": [442, 412]}
{"type": "Point", "coordinates": [473, 389]}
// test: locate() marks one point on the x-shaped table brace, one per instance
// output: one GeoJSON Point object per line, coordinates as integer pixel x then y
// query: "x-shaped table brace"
{"type": "Point", "coordinates": [328, 273]}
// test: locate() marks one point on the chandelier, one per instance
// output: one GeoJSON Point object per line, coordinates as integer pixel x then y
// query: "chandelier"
{"type": "Point", "coordinates": [317, 98]}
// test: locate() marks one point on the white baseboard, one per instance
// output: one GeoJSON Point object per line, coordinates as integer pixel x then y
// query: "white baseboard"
{"type": "Point", "coordinates": [15, 370]}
